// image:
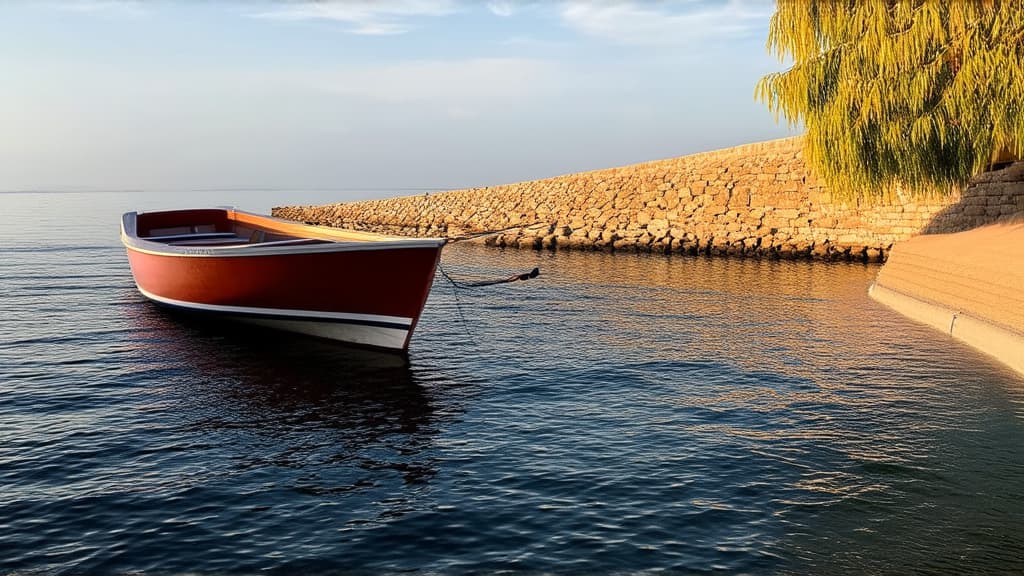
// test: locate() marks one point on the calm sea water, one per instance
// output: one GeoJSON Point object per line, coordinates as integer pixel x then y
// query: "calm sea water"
{"type": "Point", "coordinates": [620, 413]}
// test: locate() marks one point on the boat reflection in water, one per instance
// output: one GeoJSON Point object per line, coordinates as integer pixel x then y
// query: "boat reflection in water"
{"type": "Point", "coordinates": [294, 413]}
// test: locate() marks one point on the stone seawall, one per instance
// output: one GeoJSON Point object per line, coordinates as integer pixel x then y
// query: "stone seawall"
{"type": "Point", "coordinates": [754, 200]}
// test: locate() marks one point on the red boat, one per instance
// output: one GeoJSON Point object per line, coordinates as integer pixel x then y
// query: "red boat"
{"type": "Point", "coordinates": [346, 285]}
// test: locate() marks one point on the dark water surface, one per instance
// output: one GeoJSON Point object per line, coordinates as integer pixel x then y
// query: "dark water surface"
{"type": "Point", "coordinates": [619, 413]}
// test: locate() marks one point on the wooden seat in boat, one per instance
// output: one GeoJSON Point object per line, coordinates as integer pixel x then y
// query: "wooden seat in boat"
{"type": "Point", "coordinates": [190, 236]}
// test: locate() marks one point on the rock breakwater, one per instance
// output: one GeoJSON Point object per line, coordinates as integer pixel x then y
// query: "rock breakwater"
{"type": "Point", "coordinates": [757, 200]}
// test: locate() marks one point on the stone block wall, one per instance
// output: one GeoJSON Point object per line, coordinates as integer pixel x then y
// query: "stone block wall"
{"type": "Point", "coordinates": [754, 200]}
{"type": "Point", "coordinates": [990, 197]}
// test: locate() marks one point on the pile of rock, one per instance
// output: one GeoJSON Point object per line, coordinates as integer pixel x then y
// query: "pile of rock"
{"type": "Point", "coordinates": [754, 200]}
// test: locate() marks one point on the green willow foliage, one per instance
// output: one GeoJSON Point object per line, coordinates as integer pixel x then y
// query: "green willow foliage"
{"type": "Point", "coordinates": [917, 92]}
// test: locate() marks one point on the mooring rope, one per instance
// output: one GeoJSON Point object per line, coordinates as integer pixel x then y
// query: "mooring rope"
{"type": "Point", "coordinates": [458, 303]}
{"type": "Point", "coordinates": [367, 226]}
{"type": "Point", "coordinates": [456, 286]}
{"type": "Point", "coordinates": [476, 235]}
{"type": "Point", "coordinates": [513, 278]}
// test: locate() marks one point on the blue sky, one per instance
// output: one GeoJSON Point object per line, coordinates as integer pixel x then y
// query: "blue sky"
{"type": "Point", "coordinates": [432, 94]}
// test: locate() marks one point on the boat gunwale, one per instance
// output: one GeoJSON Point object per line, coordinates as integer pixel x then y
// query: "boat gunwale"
{"type": "Point", "coordinates": [372, 241]}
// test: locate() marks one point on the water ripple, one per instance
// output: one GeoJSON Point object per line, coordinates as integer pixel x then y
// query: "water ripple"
{"type": "Point", "coordinates": [617, 414]}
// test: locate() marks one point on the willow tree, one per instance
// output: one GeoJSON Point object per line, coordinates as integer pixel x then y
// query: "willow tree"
{"type": "Point", "coordinates": [918, 92]}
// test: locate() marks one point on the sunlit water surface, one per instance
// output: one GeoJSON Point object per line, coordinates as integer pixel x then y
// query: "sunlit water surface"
{"type": "Point", "coordinates": [618, 413]}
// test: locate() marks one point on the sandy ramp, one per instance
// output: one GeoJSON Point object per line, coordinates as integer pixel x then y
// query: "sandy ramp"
{"type": "Point", "coordinates": [969, 284]}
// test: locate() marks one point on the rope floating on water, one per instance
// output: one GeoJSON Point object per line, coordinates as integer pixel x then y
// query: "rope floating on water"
{"type": "Point", "coordinates": [514, 278]}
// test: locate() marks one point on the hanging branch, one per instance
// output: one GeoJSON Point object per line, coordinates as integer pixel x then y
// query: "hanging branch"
{"type": "Point", "coordinates": [922, 93]}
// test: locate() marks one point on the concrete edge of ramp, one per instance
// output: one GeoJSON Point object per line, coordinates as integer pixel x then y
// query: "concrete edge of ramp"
{"type": "Point", "coordinates": [1003, 344]}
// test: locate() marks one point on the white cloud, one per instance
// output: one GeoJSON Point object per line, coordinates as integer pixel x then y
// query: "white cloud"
{"type": "Point", "coordinates": [636, 22]}
{"type": "Point", "coordinates": [669, 22]}
{"type": "Point", "coordinates": [460, 89]}
{"type": "Point", "coordinates": [501, 8]}
{"type": "Point", "coordinates": [365, 16]}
